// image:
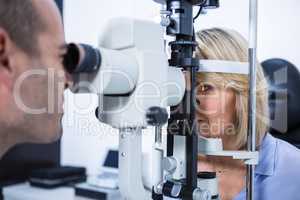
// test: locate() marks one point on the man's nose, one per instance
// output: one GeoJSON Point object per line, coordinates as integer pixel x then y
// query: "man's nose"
{"type": "Point", "coordinates": [197, 101]}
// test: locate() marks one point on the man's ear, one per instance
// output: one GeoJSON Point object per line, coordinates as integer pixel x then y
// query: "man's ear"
{"type": "Point", "coordinates": [6, 69]}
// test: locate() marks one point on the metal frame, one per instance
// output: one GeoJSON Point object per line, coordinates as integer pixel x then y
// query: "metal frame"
{"type": "Point", "coordinates": [251, 140]}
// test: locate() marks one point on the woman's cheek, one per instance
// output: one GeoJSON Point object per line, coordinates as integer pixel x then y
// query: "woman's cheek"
{"type": "Point", "coordinates": [210, 107]}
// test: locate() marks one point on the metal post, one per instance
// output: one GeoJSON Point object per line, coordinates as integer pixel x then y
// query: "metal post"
{"type": "Point", "coordinates": [158, 135]}
{"type": "Point", "coordinates": [251, 140]}
{"type": "Point", "coordinates": [157, 167]}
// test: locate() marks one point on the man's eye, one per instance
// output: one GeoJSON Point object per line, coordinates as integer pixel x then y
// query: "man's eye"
{"type": "Point", "coordinates": [62, 57]}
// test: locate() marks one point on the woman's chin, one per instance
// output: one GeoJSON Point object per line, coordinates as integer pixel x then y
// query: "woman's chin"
{"type": "Point", "coordinates": [209, 134]}
{"type": "Point", "coordinates": [204, 134]}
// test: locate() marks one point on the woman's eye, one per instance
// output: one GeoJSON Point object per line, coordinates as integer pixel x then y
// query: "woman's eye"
{"type": "Point", "coordinates": [205, 88]}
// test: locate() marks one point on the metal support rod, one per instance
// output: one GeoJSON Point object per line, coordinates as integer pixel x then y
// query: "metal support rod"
{"type": "Point", "coordinates": [192, 139]}
{"type": "Point", "coordinates": [251, 140]}
{"type": "Point", "coordinates": [158, 154]}
{"type": "Point", "coordinates": [158, 135]}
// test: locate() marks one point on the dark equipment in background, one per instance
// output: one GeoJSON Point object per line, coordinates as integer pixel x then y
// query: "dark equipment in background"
{"type": "Point", "coordinates": [55, 177]}
{"type": "Point", "coordinates": [111, 159]}
{"type": "Point", "coordinates": [17, 164]}
{"type": "Point", "coordinates": [284, 82]}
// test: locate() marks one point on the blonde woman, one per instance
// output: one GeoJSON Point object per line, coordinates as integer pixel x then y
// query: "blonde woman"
{"type": "Point", "coordinates": [222, 112]}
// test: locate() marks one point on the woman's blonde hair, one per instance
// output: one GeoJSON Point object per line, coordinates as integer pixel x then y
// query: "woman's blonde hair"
{"type": "Point", "coordinates": [223, 44]}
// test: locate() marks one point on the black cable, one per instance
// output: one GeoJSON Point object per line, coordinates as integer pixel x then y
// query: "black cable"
{"type": "Point", "coordinates": [198, 14]}
{"type": "Point", "coordinates": [201, 6]}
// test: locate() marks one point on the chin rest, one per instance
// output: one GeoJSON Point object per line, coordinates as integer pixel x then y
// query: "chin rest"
{"type": "Point", "coordinates": [284, 99]}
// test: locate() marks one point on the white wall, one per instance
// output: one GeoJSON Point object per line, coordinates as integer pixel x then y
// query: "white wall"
{"type": "Point", "coordinates": [85, 139]}
{"type": "Point", "coordinates": [278, 28]}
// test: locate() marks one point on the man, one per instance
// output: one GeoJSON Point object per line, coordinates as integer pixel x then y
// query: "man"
{"type": "Point", "coordinates": [32, 79]}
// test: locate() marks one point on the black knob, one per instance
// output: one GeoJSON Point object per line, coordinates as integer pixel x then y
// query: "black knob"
{"type": "Point", "coordinates": [157, 116]}
{"type": "Point", "coordinates": [97, 111]}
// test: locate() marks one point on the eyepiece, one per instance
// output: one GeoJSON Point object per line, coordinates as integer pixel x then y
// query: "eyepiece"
{"type": "Point", "coordinates": [82, 58]}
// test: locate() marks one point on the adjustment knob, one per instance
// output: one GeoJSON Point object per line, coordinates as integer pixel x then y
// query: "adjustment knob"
{"type": "Point", "coordinates": [200, 194]}
{"type": "Point", "coordinates": [157, 116]}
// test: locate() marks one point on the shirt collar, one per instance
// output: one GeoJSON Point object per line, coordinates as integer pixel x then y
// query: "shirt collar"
{"type": "Point", "coordinates": [267, 156]}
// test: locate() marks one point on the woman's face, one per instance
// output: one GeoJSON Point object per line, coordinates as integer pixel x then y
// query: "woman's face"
{"type": "Point", "coordinates": [216, 111]}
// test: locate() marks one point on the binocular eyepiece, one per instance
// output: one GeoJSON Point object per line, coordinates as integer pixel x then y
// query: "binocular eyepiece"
{"type": "Point", "coordinates": [81, 58]}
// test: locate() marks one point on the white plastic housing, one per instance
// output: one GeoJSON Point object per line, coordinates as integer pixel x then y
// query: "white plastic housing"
{"type": "Point", "coordinates": [117, 76]}
{"type": "Point", "coordinates": [134, 76]}
{"type": "Point", "coordinates": [156, 84]}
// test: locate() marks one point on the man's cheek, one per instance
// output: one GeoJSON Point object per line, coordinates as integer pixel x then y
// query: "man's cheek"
{"type": "Point", "coordinates": [59, 87]}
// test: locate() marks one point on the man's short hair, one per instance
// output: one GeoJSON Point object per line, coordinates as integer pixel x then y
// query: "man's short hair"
{"type": "Point", "coordinates": [23, 23]}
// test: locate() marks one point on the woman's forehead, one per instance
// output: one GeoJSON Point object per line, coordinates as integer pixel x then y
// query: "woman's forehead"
{"type": "Point", "coordinates": [210, 77]}
{"type": "Point", "coordinates": [223, 80]}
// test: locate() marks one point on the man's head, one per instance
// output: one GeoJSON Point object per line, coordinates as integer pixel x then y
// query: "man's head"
{"type": "Point", "coordinates": [32, 80]}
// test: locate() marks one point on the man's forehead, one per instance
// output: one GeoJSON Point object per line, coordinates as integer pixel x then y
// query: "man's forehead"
{"type": "Point", "coordinates": [49, 13]}
{"type": "Point", "coordinates": [45, 7]}
{"type": "Point", "coordinates": [52, 19]}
